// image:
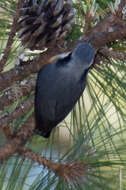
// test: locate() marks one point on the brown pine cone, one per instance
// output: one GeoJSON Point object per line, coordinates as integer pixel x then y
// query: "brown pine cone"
{"type": "Point", "coordinates": [44, 23]}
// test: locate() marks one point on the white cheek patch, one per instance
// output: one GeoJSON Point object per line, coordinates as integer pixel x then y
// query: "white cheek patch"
{"type": "Point", "coordinates": [59, 56]}
{"type": "Point", "coordinates": [63, 55]}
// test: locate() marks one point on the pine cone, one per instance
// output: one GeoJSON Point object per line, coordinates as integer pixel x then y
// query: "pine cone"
{"type": "Point", "coordinates": [45, 22]}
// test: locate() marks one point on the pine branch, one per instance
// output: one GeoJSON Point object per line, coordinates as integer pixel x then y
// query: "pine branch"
{"type": "Point", "coordinates": [18, 73]}
{"type": "Point", "coordinates": [24, 88]}
{"type": "Point", "coordinates": [116, 55]}
{"type": "Point", "coordinates": [72, 173]}
{"type": "Point", "coordinates": [4, 122]}
{"type": "Point", "coordinates": [18, 140]}
{"type": "Point", "coordinates": [120, 8]}
{"type": "Point", "coordinates": [88, 19]}
{"type": "Point", "coordinates": [108, 30]}
{"type": "Point", "coordinates": [11, 36]}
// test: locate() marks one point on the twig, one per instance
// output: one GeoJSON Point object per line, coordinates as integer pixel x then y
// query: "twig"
{"type": "Point", "coordinates": [88, 19]}
{"type": "Point", "coordinates": [99, 60]}
{"type": "Point", "coordinates": [72, 172]}
{"type": "Point", "coordinates": [11, 36]}
{"type": "Point", "coordinates": [120, 8]}
{"type": "Point", "coordinates": [105, 37]}
{"type": "Point", "coordinates": [24, 89]}
{"type": "Point", "coordinates": [19, 139]}
{"type": "Point", "coordinates": [4, 122]}
{"type": "Point", "coordinates": [103, 12]}
{"type": "Point", "coordinates": [116, 55]}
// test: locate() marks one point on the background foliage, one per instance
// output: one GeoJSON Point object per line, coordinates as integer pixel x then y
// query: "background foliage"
{"type": "Point", "coordinates": [94, 132]}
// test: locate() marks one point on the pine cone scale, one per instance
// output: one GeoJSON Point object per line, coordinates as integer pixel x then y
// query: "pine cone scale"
{"type": "Point", "coordinates": [45, 22]}
{"type": "Point", "coordinates": [58, 8]}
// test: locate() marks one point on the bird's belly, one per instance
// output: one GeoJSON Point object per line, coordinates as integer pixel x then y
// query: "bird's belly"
{"type": "Point", "coordinates": [58, 102]}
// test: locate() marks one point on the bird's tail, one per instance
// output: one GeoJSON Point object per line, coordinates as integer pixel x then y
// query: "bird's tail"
{"type": "Point", "coordinates": [43, 128]}
{"type": "Point", "coordinates": [42, 133]}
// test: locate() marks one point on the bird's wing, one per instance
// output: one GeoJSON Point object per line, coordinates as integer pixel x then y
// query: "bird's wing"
{"type": "Point", "coordinates": [56, 92]}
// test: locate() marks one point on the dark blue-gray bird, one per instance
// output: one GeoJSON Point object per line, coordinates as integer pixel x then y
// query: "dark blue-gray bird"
{"type": "Point", "coordinates": [59, 85]}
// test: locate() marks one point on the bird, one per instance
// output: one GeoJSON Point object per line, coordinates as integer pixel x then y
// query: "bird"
{"type": "Point", "coordinates": [59, 85]}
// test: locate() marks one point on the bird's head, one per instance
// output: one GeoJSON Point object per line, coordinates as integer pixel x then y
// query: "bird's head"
{"type": "Point", "coordinates": [84, 54]}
